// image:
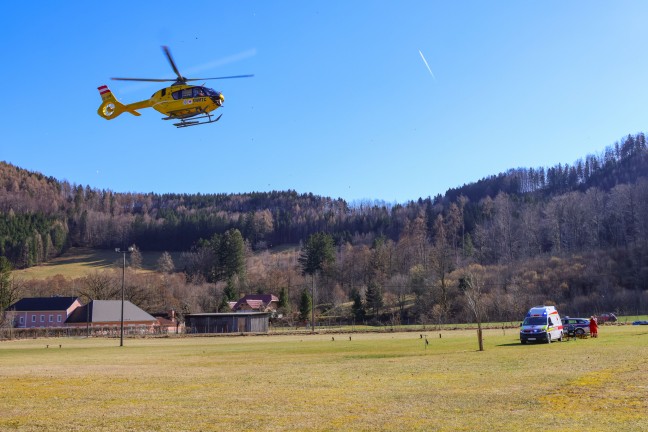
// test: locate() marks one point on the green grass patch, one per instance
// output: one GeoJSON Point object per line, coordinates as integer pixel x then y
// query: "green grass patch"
{"type": "Point", "coordinates": [77, 262]}
{"type": "Point", "coordinates": [376, 381]}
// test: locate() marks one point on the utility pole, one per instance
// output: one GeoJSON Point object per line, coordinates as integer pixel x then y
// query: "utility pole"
{"type": "Point", "coordinates": [121, 325]}
{"type": "Point", "coordinates": [313, 303]}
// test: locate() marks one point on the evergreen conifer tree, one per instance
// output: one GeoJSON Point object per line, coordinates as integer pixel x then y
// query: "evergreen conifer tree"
{"type": "Point", "coordinates": [5, 283]}
{"type": "Point", "coordinates": [374, 297]}
{"type": "Point", "coordinates": [357, 308]}
{"type": "Point", "coordinates": [284, 301]}
{"type": "Point", "coordinates": [305, 305]}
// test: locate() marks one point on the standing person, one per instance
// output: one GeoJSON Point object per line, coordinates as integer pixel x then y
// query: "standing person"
{"type": "Point", "coordinates": [593, 325]}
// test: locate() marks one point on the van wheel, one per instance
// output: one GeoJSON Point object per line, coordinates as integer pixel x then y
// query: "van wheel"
{"type": "Point", "coordinates": [548, 337]}
{"type": "Point", "coordinates": [561, 337]}
{"type": "Point", "coordinates": [580, 332]}
{"type": "Point", "coordinates": [523, 341]}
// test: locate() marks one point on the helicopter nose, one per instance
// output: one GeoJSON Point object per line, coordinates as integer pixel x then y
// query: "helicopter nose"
{"type": "Point", "coordinates": [218, 99]}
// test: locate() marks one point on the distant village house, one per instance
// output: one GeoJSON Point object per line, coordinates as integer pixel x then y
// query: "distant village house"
{"type": "Point", "coordinates": [256, 303]}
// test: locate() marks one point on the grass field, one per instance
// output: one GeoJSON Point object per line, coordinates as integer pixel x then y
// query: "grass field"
{"type": "Point", "coordinates": [387, 381]}
{"type": "Point", "coordinates": [77, 262]}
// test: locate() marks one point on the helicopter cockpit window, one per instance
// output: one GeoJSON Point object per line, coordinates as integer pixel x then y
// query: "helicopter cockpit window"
{"type": "Point", "coordinates": [210, 92]}
{"type": "Point", "coordinates": [199, 92]}
{"type": "Point", "coordinates": [177, 94]}
{"type": "Point", "coordinates": [186, 93]}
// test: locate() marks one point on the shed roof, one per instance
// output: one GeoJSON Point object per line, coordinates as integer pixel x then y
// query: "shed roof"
{"type": "Point", "coordinates": [224, 314]}
{"type": "Point", "coordinates": [108, 311]}
{"type": "Point", "coordinates": [43, 304]}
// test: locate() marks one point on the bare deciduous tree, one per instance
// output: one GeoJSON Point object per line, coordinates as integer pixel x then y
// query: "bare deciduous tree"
{"type": "Point", "coordinates": [472, 287]}
{"type": "Point", "coordinates": [135, 258]}
{"type": "Point", "coordinates": [101, 285]}
{"type": "Point", "coordinates": [165, 263]}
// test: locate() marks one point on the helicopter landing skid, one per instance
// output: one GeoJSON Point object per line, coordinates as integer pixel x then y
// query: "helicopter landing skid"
{"type": "Point", "coordinates": [194, 121]}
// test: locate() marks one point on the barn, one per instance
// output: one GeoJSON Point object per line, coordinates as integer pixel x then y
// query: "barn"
{"type": "Point", "coordinates": [104, 317]}
{"type": "Point", "coordinates": [239, 322]}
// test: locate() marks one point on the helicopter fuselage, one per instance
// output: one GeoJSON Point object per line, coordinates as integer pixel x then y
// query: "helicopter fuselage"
{"type": "Point", "coordinates": [184, 101]}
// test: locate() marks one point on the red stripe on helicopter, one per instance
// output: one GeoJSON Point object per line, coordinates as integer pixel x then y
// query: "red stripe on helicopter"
{"type": "Point", "coordinates": [103, 89]}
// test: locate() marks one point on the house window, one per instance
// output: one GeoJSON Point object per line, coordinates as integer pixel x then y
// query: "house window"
{"type": "Point", "coordinates": [42, 318]}
{"type": "Point", "coordinates": [33, 318]}
{"type": "Point", "coordinates": [51, 319]}
{"type": "Point", "coordinates": [22, 320]}
{"type": "Point", "coordinates": [58, 318]}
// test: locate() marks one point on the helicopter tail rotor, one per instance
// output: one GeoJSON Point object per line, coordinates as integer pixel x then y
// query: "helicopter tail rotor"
{"type": "Point", "coordinates": [110, 106]}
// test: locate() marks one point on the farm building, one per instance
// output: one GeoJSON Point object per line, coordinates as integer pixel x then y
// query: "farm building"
{"type": "Point", "coordinates": [256, 303]}
{"type": "Point", "coordinates": [168, 322]}
{"type": "Point", "coordinates": [42, 311]}
{"type": "Point", "coordinates": [237, 322]}
{"type": "Point", "coordinates": [105, 315]}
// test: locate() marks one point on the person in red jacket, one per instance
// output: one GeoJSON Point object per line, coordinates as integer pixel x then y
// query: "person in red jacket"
{"type": "Point", "coordinates": [593, 327]}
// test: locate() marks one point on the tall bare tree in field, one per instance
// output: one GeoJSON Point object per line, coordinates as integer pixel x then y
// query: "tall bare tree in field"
{"type": "Point", "coordinates": [471, 284]}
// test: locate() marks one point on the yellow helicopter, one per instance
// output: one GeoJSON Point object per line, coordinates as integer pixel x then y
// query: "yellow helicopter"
{"type": "Point", "coordinates": [190, 105]}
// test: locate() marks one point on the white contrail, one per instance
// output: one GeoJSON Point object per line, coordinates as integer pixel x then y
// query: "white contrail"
{"type": "Point", "coordinates": [427, 65]}
{"type": "Point", "coordinates": [216, 63]}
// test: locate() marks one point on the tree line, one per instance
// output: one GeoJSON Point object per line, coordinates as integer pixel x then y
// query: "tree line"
{"type": "Point", "coordinates": [574, 235]}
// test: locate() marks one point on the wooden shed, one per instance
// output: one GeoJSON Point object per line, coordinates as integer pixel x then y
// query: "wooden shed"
{"type": "Point", "coordinates": [238, 322]}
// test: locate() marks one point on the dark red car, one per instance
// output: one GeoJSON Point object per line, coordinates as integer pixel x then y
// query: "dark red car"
{"type": "Point", "coordinates": [606, 317]}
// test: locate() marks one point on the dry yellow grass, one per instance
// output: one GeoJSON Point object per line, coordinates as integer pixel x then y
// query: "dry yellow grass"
{"type": "Point", "coordinates": [373, 382]}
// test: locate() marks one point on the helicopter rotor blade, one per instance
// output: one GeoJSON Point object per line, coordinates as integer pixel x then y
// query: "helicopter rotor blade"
{"type": "Point", "coordinates": [173, 65]}
{"type": "Point", "coordinates": [143, 79]}
{"type": "Point", "coordinates": [180, 79]}
{"type": "Point", "coordinates": [225, 77]}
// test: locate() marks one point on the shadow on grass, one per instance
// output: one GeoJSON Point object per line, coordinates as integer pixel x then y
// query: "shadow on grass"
{"type": "Point", "coordinates": [515, 344]}
{"type": "Point", "coordinates": [84, 261]}
{"type": "Point", "coordinates": [101, 258]}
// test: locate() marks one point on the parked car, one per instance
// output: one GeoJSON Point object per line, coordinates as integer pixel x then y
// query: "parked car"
{"type": "Point", "coordinates": [606, 317]}
{"type": "Point", "coordinates": [575, 326]}
{"type": "Point", "coordinates": [640, 322]}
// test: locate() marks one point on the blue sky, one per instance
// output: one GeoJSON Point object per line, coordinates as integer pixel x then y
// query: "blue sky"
{"type": "Point", "coordinates": [341, 105]}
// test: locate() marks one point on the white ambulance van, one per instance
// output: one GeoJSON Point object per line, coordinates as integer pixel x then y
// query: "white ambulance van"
{"type": "Point", "coordinates": [541, 324]}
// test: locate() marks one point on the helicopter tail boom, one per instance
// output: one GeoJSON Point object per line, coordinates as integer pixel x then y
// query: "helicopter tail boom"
{"type": "Point", "coordinates": [110, 106]}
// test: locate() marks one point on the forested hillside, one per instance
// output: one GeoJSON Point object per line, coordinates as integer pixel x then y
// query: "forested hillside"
{"type": "Point", "coordinates": [576, 234]}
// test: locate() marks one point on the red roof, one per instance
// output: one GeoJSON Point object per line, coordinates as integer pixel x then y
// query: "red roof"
{"type": "Point", "coordinates": [255, 301]}
{"type": "Point", "coordinates": [166, 322]}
